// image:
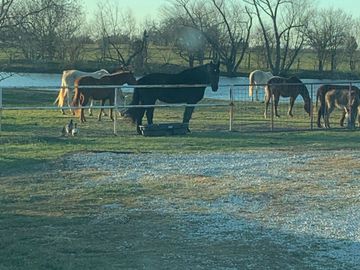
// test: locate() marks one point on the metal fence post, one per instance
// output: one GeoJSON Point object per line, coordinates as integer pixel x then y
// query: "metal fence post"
{"type": "Point", "coordinates": [1, 106]}
{"type": "Point", "coordinates": [231, 113]}
{"type": "Point", "coordinates": [115, 110]}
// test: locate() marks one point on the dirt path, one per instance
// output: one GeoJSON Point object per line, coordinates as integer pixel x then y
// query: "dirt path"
{"type": "Point", "coordinates": [222, 210]}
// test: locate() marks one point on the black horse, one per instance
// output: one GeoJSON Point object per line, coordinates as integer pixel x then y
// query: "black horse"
{"type": "Point", "coordinates": [286, 87]}
{"type": "Point", "coordinates": [199, 76]}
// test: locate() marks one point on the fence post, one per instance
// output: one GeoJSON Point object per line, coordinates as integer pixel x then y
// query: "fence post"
{"type": "Point", "coordinates": [272, 112]}
{"type": "Point", "coordinates": [1, 106]}
{"type": "Point", "coordinates": [311, 107]}
{"type": "Point", "coordinates": [115, 110]}
{"type": "Point", "coordinates": [231, 113]}
{"type": "Point", "coordinates": [349, 123]}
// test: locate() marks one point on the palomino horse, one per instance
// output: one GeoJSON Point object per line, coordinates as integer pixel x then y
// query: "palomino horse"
{"type": "Point", "coordinates": [201, 75]}
{"type": "Point", "coordinates": [343, 97]}
{"type": "Point", "coordinates": [67, 84]}
{"type": "Point", "coordinates": [286, 87]}
{"type": "Point", "coordinates": [258, 78]}
{"type": "Point", "coordinates": [83, 94]}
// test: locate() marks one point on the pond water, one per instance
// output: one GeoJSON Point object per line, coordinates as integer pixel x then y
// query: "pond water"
{"type": "Point", "coordinates": [54, 80]}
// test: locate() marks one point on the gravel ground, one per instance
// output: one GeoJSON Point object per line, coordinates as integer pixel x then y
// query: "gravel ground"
{"type": "Point", "coordinates": [306, 202]}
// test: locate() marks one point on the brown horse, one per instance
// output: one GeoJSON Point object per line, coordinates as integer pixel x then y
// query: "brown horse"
{"type": "Point", "coordinates": [343, 97]}
{"type": "Point", "coordinates": [286, 87]}
{"type": "Point", "coordinates": [83, 94]}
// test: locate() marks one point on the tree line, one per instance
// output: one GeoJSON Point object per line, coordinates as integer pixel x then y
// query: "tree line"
{"type": "Point", "coordinates": [277, 32]}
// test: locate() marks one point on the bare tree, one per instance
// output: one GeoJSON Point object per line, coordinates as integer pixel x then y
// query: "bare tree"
{"type": "Point", "coordinates": [350, 51]}
{"type": "Point", "coordinates": [121, 41]}
{"type": "Point", "coordinates": [45, 35]}
{"type": "Point", "coordinates": [284, 22]}
{"type": "Point", "coordinates": [327, 32]}
{"type": "Point", "coordinates": [224, 24]}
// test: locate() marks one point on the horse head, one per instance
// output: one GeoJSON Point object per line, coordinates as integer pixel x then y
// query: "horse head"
{"type": "Point", "coordinates": [352, 108]}
{"type": "Point", "coordinates": [131, 80]}
{"type": "Point", "coordinates": [213, 71]}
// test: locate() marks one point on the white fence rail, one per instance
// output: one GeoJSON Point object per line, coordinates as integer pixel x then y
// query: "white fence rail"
{"type": "Point", "coordinates": [231, 99]}
{"type": "Point", "coordinates": [116, 105]}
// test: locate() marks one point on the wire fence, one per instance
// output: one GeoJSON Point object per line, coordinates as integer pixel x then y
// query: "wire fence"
{"type": "Point", "coordinates": [238, 110]}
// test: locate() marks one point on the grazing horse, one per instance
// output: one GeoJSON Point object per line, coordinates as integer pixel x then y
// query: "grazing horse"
{"type": "Point", "coordinates": [67, 83]}
{"type": "Point", "coordinates": [258, 78]}
{"type": "Point", "coordinates": [286, 87]}
{"type": "Point", "coordinates": [339, 96]}
{"type": "Point", "coordinates": [201, 75]}
{"type": "Point", "coordinates": [83, 94]}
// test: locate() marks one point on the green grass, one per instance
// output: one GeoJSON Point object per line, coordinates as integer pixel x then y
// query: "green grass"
{"type": "Point", "coordinates": [52, 217]}
{"type": "Point", "coordinates": [33, 137]}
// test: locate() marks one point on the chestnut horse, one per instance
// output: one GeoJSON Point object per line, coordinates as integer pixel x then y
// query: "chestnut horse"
{"type": "Point", "coordinates": [343, 97]}
{"type": "Point", "coordinates": [286, 87]}
{"type": "Point", "coordinates": [68, 79]}
{"type": "Point", "coordinates": [83, 94]}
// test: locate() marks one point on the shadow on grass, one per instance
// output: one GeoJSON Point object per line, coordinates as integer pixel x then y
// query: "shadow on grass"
{"type": "Point", "coordinates": [131, 239]}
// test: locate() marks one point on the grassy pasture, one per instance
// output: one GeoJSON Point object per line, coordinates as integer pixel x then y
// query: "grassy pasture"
{"type": "Point", "coordinates": [55, 218]}
{"type": "Point", "coordinates": [33, 136]}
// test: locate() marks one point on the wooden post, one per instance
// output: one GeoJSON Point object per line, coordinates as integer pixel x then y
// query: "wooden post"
{"type": "Point", "coordinates": [349, 123]}
{"type": "Point", "coordinates": [115, 111]}
{"type": "Point", "coordinates": [311, 107]}
{"type": "Point", "coordinates": [1, 106]}
{"type": "Point", "coordinates": [231, 113]}
{"type": "Point", "coordinates": [272, 112]}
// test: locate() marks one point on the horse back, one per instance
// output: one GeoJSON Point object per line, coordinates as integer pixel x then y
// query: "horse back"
{"type": "Point", "coordinates": [342, 98]}
{"type": "Point", "coordinates": [168, 94]}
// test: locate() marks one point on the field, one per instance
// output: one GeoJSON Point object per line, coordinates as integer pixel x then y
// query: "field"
{"type": "Point", "coordinates": [212, 199]}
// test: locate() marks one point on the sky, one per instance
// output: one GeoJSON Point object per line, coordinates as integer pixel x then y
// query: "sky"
{"type": "Point", "coordinates": [150, 8]}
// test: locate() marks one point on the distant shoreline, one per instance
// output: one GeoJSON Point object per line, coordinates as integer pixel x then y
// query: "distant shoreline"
{"type": "Point", "coordinates": [57, 69]}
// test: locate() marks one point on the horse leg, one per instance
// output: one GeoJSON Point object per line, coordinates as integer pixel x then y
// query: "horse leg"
{"type": "Point", "coordinates": [67, 93]}
{"type": "Point", "coordinates": [102, 102]}
{"type": "Point", "coordinates": [276, 104]}
{"type": "Point", "coordinates": [150, 115]}
{"type": "Point", "coordinates": [342, 119]}
{"type": "Point", "coordinates": [82, 116]}
{"type": "Point", "coordinates": [139, 120]}
{"type": "Point", "coordinates": [319, 117]}
{"type": "Point", "coordinates": [111, 102]}
{"type": "Point", "coordinates": [329, 110]}
{"type": "Point", "coordinates": [292, 101]}
{"type": "Point", "coordinates": [90, 109]}
{"type": "Point", "coordinates": [187, 116]}
{"type": "Point", "coordinates": [257, 93]}
{"type": "Point", "coordinates": [267, 101]}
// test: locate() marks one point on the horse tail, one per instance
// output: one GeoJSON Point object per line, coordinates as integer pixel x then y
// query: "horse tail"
{"type": "Point", "coordinates": [61, 97]}
{"type": "Point", "coordinates": [77, 100]}
{"type": "Point", "coordinates": [320, 95]}
{"type": "Point", "coordinates": [132, 113]}
{"type": "Point", "coordinates": [251, 84]}
{"type": "Point", "coordinates": [63, 92]}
